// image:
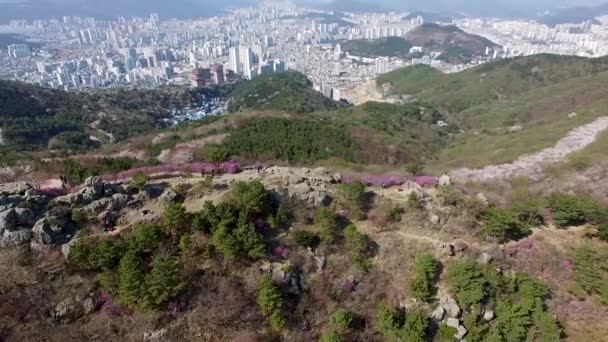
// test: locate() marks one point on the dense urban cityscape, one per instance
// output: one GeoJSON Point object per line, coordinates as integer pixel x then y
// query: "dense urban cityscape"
{"type": "Point", "coordinates": [75, 53]}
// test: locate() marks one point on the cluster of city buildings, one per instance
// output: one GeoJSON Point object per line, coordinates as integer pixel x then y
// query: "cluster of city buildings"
{"type": "Point", "coordinates": [82, 53]}
{"type": "Point", "coordinates": [524, 38]}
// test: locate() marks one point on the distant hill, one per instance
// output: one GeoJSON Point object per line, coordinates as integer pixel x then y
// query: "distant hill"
{"type": "Point", "coordinates": [456, 45]}
{"type": "Point", "coordinates": [290, 91]}
{"type": "Point", "coordinates": [385, 47]}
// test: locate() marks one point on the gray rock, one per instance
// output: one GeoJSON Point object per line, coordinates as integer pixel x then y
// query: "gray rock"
{"type": "Point", "coordinates": [53, 231]}
{"type": "Point", "coordinates": [67, 311]}
{"type": "Point", "coordinates": [111, 189]}
{"type": "Point", "coordinates": [8, 220]}
{"type": "Point", "coordinates": [155, 336]}
{"type": "Point", "coordinates": [446, 249]}
{"type": "Point", "coordinates": [320, 262]}
{"type": "Point", "coordinates": [438, 313]}
{"type": "Point", "coordinates": [25, 217]}
{"type": "Point", "coordinates": [484, 258]}
{"type": "Point", "coordinates": [445, 180]}
{"type": "Point", "coordinates": [450, 305]}
{"type": "Point", "coordinates": [70, 199]}
{"type": "Point", "coordinates": [453, 322]}
{"type": "Point", "coordinates": [120, 201]}
{"type": "Point", "coordinates": [337, 178]}
{"type": "Point", "coordinates": [434, 219]}
{"type": "Point", "coordinates": [17, 237]}
{"type": "Point", "coordinates": [168, 197]}
{"type": "Point", "coordinates": [462, 331]}
{"type": "Point", "coordinates": [482, 199]}
{"type": "Point", "coordinates": [516, 128]}
{"type": "Point", "coordinates": [91, 303]}
{"type": "Point", "coordinates": [98, 206]}
{"type": "Point", "coordinates": [488, 315]}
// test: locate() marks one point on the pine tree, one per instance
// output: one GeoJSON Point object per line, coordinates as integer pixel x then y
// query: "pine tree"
{"type": "Point", "coordinates": [163, 283]}
{"type": "Point", "coordinates": [131, 276]}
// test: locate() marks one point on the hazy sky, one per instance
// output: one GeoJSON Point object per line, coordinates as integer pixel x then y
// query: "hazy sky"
{"type": "Point", "coordinates": [182, 8]}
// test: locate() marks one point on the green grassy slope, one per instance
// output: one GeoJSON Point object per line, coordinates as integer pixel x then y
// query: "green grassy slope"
{"type": "Point", "coordinates": [490, 82]}
{"type": "Point", "coordinates": [536, 92]}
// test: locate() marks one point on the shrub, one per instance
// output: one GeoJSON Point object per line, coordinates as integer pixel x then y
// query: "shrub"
{"type": "Point", "coordinates": [415, 169]}
{"type": "Point", "coordinates": [387, 322]}
{"type": "Point", "coordinates": [331, 337]}
{"type": "Point", "coordinates": [450, 196]}
{"type": "Point", "coordinates": [139, 180]}
{"type": "Point", "coordinates": [175, 219]}
{"type": "Point", "coordinates": [163, 283]}
{"type": "Point", "coordinates": [235, 237]}
{"type": "Point", "coordinates": [270, 302]}
{"type": "Point", "coordinates": [108, 281]}
{"type": "Point", "coordinates": [107, 254]}
{"type": "Point", "coordinates": [146, 238]}
{"type": "Point", "coordinates": [206, 220]}
{"type": "Point", "coordinates": [250, 196]}
{"type": "Point", "coordinates": [219, 154]}
{"type": "Point", "coordinates": [528, 213]}
{"type": "Point", "coordinates": [305, 238]}
{"type": "Point", "coordinates": [79, 218]}
{"type": "Point", "coordinates": [602, 231]}
{"type": "Point", "coordinates": [394, 327]}
{"type": "Point", "coordinates": [468, 280]}
{"type": "Point", "coordinates": [572, 210]}
{"type": "Point", "coordinates": [426, 270]}
{"type": "Point", "coordinates": [80, 254]}
{"type": "Point", "coordinates": [415, 328]}
{"type": "Point", "coordinates": [279, 219]}
{"type": "Point", "coordinates": [325, 220]}
{"type": "Point", "coordinates": [357, 245]}
{"type": "Point", "coordinates": [588, 271]}
{"type": "Point", "coordinates": [414, 201]}
{"type": "Point", "coordinates": [341, 319]}
{"type": "Point", "coordinates": [352, 197]}
{"type": "Point", "coordinates": [446, 333]}
{"type": "Point", "coordinates": [503, 225]}
{"type": "Point", "coordinates": [185, 243]}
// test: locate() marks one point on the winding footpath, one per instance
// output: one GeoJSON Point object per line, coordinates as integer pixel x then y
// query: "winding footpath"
{"type": "Point", "coordinates": [532, 165]}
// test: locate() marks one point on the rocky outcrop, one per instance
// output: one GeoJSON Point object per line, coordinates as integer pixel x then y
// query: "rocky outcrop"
{"type": "Point", "coordinates": [168, 196]}
{"type": "Point", "coordinates": [285, 275]}
{"type": "Point", "coordinates": [306, 185]}
{"type": "Point", "coordinates": [76, 306]}
{"type": "Point", "coordinates": [53, 230]}
{"type": "Point", "coordinates": [156, 335]}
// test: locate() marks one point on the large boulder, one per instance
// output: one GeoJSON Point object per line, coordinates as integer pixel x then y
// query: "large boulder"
{"type": "Point", "coordinates": [53, 230]}
{"type": "Point", "coordinates": [450, 305]}
{"type": "Point", "coordinates": [98, 206]}
{"type": "Point", "coordinates": [156, 335]}
{"type": "Point", "coordinates": [17, 237]}
{"type": "Point", "coordinates": [75, 306]}
{"type": "Point", "coordinates": [8, 220]}
{"type": "Point", "coordinates": [70, 199]}
{"type": "Point", "coordinates": [444, 180]}
{"type": "Point", "coordinates": [169, 196]}
{"type": "Point", "coordinates": [25, 217]}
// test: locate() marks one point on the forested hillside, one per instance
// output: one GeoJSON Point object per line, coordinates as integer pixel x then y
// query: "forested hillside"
{"type": "Point", "coordinates": [290, 92]}
{"type": "Point", "coordinates": [30, 116]}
